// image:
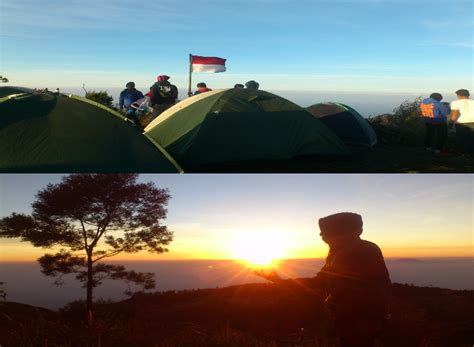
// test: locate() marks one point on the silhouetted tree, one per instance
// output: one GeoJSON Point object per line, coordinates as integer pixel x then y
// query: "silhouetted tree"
{"type": "Point", "coordinates": [81, 215]}
{"type": "Point", "coordinates": [3, 79]}
{"type": "Point", "coordinates": [102, 97]}
{"type": "Point", "coordinates": [3, 294]}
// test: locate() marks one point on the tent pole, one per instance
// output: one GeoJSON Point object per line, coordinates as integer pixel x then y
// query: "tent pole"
{"type": "Point", "coordinates": [190, 73]}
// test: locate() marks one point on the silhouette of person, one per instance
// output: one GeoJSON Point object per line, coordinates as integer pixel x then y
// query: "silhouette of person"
{"type": "Point", "coordinates": [354, 279]}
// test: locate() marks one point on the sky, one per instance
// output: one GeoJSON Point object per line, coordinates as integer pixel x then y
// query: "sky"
{"type": "Point", "coordinates": [374, 47]}
{"type": "Point", "coordinates": [225, 216]}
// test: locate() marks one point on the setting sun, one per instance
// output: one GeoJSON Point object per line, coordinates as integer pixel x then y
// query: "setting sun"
{"type": "Point", "coordinates": [255, 258]}
{"type": "Point", "coordinates": [259, 249]}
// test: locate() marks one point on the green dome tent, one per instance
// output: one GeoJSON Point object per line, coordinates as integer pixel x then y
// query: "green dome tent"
{"type": "Point", "coordinates": [238, 125]}
{"type": "Point", "coordinates": [11, 91]}
{"type": "Point", "coordinates": [48, 132]}
{"type": "Point", "coordinates": [345, 122]}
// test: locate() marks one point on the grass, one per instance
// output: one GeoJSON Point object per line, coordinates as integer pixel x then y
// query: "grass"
{"type": "Point", "coordinates": [378, 159]}
{"type": "Point", "coordinates": [244, 315]}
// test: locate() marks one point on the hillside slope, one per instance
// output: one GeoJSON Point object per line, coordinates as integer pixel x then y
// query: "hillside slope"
{"type": "Point", "coordinates": [243, 315]}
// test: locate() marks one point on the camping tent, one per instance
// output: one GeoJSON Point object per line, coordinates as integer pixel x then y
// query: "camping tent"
{"type": "Point", "coordinates": [238, 125]}
{"type": "Point", "coordinates": [56, 133]}
{"type": "Point", "coordinates": [11, 91]}
{"type": "Point", "coordinates": [345, 122]}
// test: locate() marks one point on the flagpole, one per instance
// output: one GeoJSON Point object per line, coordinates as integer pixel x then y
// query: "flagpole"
{"type": "Point", "coordinates": [190, 72]}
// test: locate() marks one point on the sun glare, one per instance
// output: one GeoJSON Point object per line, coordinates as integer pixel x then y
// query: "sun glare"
{"type": "Point", "coordinates": [258, 250]}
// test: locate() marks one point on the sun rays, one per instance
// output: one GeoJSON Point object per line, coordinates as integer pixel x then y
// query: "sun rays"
{"type": "Point", "coordinates": [258, 249]}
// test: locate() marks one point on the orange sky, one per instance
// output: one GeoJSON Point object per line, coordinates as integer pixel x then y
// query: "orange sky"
{"type": "Point", "coordinates": [235, 216]}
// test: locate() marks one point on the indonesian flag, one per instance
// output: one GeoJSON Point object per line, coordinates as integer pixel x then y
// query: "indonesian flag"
{"type": "Point", "coordinates": [207, 64]}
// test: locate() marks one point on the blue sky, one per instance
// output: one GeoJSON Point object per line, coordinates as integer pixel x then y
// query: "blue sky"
{"type": "Point", "coordinates": [337, 46]}
{"type": "Point", "coordinates": [407, 215]}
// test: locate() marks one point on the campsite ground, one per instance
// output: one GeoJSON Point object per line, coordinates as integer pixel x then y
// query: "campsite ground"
{"type": "Point", "coordinates": [378, 159]}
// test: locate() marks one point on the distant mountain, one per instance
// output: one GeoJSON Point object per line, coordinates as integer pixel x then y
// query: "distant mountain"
{"type": "Point", "coordinates": [406, 260]}
{"type": "Point", "coordinates": [243, 315]}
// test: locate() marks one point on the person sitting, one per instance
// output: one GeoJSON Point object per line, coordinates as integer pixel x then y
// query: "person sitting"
{"type": "Point", "coordinates": [162, 94]}
{"type": "Point", "coordinates": [239, 86]}
{"type": "Point", "coordinates": [434, 113]}
{"type": "Point", "coordinates": [127, 97]}
{"type": "Point", "coordinates": [202, 88]}
{"type": "Point", "coordinates": [252, 85]}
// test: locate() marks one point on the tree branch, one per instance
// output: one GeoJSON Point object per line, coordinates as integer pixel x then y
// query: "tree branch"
{"type": "Point", "coordinates": [84, 234]}
{"type": "Point", "coordinates": [108, 255]}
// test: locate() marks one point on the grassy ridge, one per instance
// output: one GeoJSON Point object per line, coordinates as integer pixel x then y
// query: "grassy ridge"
{"type": "Point", "coordinates": [244, 315]}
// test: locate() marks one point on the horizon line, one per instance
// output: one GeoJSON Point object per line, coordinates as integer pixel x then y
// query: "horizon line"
{"type": "Point", "coordinates": [239, 260]}
{"type": "Point", "coordinates": [276, 89]}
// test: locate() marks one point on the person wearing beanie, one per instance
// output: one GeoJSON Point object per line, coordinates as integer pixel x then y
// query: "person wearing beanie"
{"type": "Point", "coordinates": [127, 97]}
{"type": "Point", "coordinates": [162, 94]}
{"type": "Point", "coordinates": [354, 281]}
{"type": "Point", "coordinates": [462, 115]}
{"type": "Point", "coordinates": [434, 115]}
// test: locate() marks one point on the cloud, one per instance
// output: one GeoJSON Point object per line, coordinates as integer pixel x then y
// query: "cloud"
{"type": "Point", "coordinates": [90, 14]}
{"type": "Point", "coordinates": [74, 72]}
{"type": "Point", "coordinates": [458, 44]}
{"type": "Point", "coordinates": [454, 24]}
{"type": "Point", "coordinates": [372, 67]}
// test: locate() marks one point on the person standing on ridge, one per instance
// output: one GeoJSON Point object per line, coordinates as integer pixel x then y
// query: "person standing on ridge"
{"type": "Point", "coordinates": [462, 115]}
{"type": "Point", "coordinates": [434, 114]}
{"type": "Point", "coordinates": [202, 88]}
{"type": "Point", "coordinates": [354, 280]}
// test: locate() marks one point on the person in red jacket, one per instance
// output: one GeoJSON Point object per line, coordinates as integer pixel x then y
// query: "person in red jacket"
{"type": "Point", "coordinates": [354, 280]}
{"type": "Point", "coordinates": [202, 88]}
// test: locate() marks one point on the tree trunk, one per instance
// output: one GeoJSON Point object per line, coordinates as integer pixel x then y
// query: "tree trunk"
{"type": "Point", "coordinates": [89, 289]}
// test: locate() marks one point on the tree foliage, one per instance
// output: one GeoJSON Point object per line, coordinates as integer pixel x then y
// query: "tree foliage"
{"type": "Point", "coordinates": [403, 126]}
{"type": "Point", "coordinates": [3, 79]}
{"type": "Point", "coordinates": [102, 97]}
{"type": "Point", "coordinates": [91, 217]}
{"type": "Point", "coordinates": [3, 293]}
{"type": "Point", "coordinates": [63, 263]}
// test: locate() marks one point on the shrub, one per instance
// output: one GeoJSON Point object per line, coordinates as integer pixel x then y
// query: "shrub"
{"type": "Point", "coordinates": [102, 97]}
{"type": "Point", "coordinates": [403, 127]}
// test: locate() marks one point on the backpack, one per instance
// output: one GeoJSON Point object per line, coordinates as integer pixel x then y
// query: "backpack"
{"type": "Point", "coordinates": [164, 93]}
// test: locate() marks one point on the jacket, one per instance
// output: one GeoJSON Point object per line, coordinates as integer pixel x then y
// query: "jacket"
{"type": "Point", "coordinates": [433, 111]}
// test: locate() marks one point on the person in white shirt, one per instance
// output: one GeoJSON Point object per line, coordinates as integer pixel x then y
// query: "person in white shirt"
{"type": "Point", "coordinates": [462, 114]}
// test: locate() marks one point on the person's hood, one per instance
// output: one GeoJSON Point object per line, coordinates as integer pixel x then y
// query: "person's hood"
{"type": "Point", "coordinates": [341, 223]}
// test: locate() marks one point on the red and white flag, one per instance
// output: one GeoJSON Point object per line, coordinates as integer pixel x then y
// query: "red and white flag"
{"type": "Point", "coordinates": [207, 64]}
